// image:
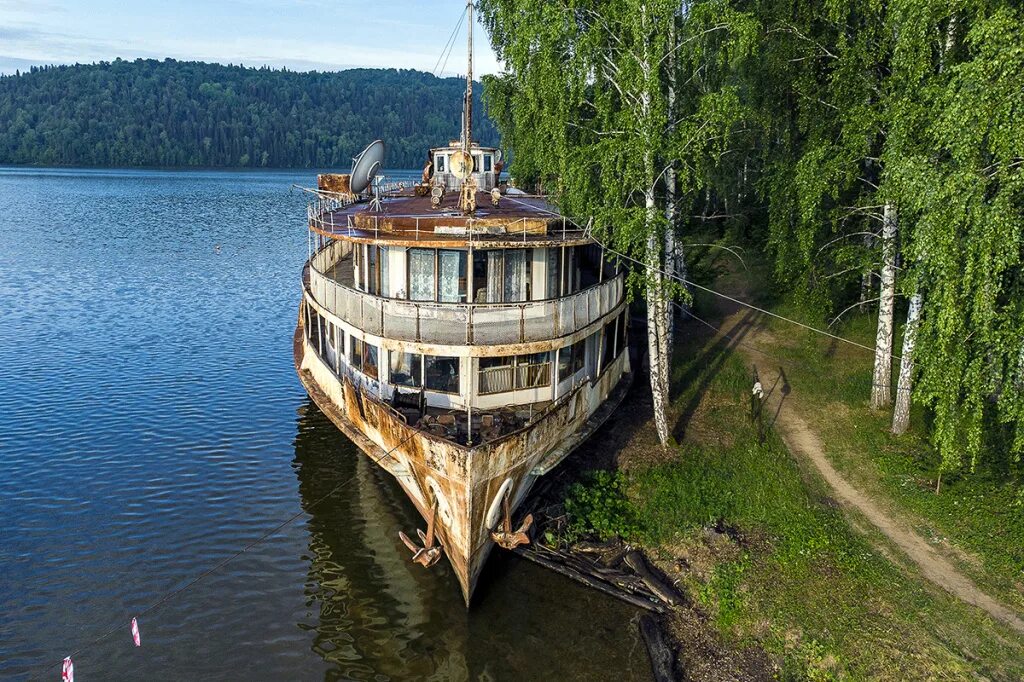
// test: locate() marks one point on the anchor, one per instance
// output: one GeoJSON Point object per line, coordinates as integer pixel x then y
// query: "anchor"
{"type": "Point", "coordinates": [504, 536]}
{"type": "Point", "coordinates": [429, 553]}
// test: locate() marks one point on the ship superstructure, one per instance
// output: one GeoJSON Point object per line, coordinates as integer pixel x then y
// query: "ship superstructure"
{"type": "Point", "coordinates": [464, 335]}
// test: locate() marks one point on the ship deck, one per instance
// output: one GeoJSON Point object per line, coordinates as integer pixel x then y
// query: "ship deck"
{"type": "Point", "coordinates": [405, 218]}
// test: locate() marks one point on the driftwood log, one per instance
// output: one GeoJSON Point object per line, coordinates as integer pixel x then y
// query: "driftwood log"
{"type": "Point", "coordinates": [612, 589]}
{"type": "Point", "coordinates": [664, 591]}
{"type": "Point", "coordinates": [658, 650]}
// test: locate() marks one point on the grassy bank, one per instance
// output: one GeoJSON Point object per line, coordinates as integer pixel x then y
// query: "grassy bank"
{"type": "Point", "coordinates": [977, 518]}
{"type": "Point", "coordinates": [759, 545]}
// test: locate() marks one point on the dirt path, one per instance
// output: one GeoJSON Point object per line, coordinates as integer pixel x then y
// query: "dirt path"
{"type": "Point", "coordinates": [802, 441]}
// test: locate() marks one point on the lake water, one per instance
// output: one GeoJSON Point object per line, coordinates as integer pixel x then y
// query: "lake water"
{"type": "Point", "coordinates": [151, 425]}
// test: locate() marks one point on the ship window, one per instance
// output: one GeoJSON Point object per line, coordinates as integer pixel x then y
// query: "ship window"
{"type": "Point", "coordinates": [502, 275]}
{"type": "Point", "coordinates": [476, 163]}
{"type": "Point", "coordinates": [355, 357]}
{"type": "Point", "coordinates": [441, 373]}
{"type": "Point", "coordinates": [608, 341]}
{"type": "Point", "coordinates": [554, 271]}
{"type": "Point", "coordinates": [570, 277]}
{"type": "Point", "coordinates": [495, 375]}
{"type": "Point", "coordinates": [422, 284]}
{"type": "Point", "coordinates": [440, 163]}
{"type": "Point", "coordinates": [357, 262]}
{"type": "Point", "coordinates": [571, 359]}
{"type": "Point", "coordinates": [505, 374]}
{"type": "Point", "coordinates": [407, 369]}
{"type": "Point", "coordinates": [487, 163]}
{"type": "Point", "coordinates": [372, 270]}
{"type": "Point", "coordinates": [370, 360]}
{"type": "Point", "coordinates": [622, 334]}
{"type": "Point", "coordinates": [385, 282]}
{"type": "Point", "coordinates": [452, 276]}
{"type": "Point", "coordinates": [534, 370]}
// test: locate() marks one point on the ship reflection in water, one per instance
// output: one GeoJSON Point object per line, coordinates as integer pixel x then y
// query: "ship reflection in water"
{"type": "Point", "coordinates": [375, 613]}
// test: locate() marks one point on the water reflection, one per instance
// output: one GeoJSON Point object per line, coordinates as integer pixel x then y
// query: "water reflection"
{"type": "Point", "coordinates": [376, 615]}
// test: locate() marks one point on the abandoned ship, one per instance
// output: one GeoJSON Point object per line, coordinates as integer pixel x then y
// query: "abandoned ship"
{"type": "Point", "coordinates": [463, 334]}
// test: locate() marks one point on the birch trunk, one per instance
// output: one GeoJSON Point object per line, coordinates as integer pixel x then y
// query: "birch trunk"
{"type": "Point", "coordinates": [657, 322]}
{"type": "Point", "coordinates": [901, 413]}
{"type": "Point", "coordinates": [670, 197]}
{"type": "Point", "coordinates": [881, 385]}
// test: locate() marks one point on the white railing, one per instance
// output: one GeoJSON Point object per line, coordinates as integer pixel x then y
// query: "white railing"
{"type": "Point", "coordinates": [482, 324]}
{"type": "Point", "coordinates": [322, 218]}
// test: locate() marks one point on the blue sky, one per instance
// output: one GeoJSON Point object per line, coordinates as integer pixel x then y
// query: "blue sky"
{"type": "Point", "coordinates": [299, 34]}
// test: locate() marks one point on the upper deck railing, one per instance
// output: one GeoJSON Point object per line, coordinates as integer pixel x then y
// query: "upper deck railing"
{"type": "Point", "coordinates": [484, 324]}
{"type": "Point", "coordinates": [322, 216]}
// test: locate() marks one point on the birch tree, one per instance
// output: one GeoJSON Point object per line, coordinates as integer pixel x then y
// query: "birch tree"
{"type": "Point", "coordinates": [585, 107]}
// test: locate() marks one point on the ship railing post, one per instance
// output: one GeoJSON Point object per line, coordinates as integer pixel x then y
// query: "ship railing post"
{"type": "Point", "coordinates": [469, 325]}
{"type": "Point", "coordinates": [522, 324]}
{"type": "Point", "coordinates": [417, 322]}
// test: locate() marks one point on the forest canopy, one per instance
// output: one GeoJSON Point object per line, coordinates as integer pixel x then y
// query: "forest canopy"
{"type": "Point", "coordinates": [171, 113]}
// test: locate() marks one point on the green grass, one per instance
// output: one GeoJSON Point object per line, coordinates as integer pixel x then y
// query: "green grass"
{"type": "Point", "coordinates": [981, 512]}
{"type": "Point", "coordinates": [799, 581]}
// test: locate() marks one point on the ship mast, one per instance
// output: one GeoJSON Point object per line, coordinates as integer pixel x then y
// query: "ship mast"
{"type": "Point", "coordinates": [467, 109]}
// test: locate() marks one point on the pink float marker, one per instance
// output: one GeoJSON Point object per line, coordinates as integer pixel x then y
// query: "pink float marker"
{"type": "Point", "coordinates": [67, 673]}
{"type": "Point", "coordinates": [135, 632]}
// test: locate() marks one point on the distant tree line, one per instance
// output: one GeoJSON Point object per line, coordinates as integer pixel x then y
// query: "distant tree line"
{"type": "Point", "coordinates": [171, 113]}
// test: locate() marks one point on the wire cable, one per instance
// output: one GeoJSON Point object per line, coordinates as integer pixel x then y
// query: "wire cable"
{"type": "Point", "coordinates": [712, 291]}
{"type": "Point", "coordinates": [449, 45]}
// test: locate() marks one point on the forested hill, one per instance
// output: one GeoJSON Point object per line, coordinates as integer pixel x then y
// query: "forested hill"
{"type": "Point", "coordinates": [171, 113]}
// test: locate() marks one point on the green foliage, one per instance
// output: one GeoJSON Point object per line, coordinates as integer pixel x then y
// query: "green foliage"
{"type": "Point", "coordinates": [599, 506]}
{"type": "Point", "coordinates": [171, 113]}
{"type": "Point", "coordinates": [586, 108]}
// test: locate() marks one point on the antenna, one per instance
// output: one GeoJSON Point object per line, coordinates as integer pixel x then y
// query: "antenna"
{"type": "Point", "coordinates": [467, 121]}
{"type": "Point", "coordinates": [462, 162]}
{"type": "Point", "coordinates": [366, 166]}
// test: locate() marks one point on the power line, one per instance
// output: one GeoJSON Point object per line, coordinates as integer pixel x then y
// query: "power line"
{"type": "Point", "coordinates": [224, 562]}
{"type": "Point", "coordinates": [712, 291]}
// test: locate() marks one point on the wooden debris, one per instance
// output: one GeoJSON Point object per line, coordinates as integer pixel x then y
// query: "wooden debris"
{"type": "Point", "coordinates": [663, 590]}
{"type": "Point", "coordinates": [658, 650]}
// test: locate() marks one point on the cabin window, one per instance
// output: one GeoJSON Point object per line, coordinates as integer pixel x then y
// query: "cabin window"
{"type": "Point", "coordinates": [517, 372]}
{"type": "Point", "coordinates": [571, 359]}
{"type": "Point", "coordinates": [534, 370]}
{"type": "Point", "coordinates": [385, 283]}
{"type": "Point", "coordinates": [321, 325]}
{"type": "Point", "coordinates": [440, 163]}
{"type": "Point", "coordinates": [370, 360]}
{"type": "Point", "coordinates": [372, 270]}
{"type": "Point", "coordinates": [407, 369]}
{"type": "Point", "coordinates": [608, 342]}
{"type": "Point", "coordinates": [588, 262]}
{"type": "Point", "coordinates": [487, 163]}
{"type": "Point", "coordinates": [623, 340]}
{"type": "Point", "coordinates": [357, 263]}
{"type": "Point", "coordinates": [502, 275]}
{"type": "Point", "coordinates": [355, 355]}
{"type": "Point", "coordinates": [495, 375]}
{"type": "Point", "coordinates": [452, 279]}
{"type": "Point", "coordinates": [570, 276]}
{"type": "Point", "coordinates": [441, 373]}
{"type": "Point", "coordinates": [476, 163]}
{"type": "Point", "coordinates": [422, 283]}
{"type": "Point", "coordinates": [554, 271]}
{"type": "Point", "coordinates": [310, 323]}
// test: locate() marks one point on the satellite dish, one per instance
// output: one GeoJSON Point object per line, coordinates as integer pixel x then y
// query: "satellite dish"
{"type": "Point", "coordinates": [366, 166]}
{"type": "Point", "coordinates": [499, 156]}
{"type": "Point", "coordinates": [461, 164]}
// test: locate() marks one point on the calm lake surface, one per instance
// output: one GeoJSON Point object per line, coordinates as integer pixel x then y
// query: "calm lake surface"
{"type": "Point", "coordinates": [151, 425]}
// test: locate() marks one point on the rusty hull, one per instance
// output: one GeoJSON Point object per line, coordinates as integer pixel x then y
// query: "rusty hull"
{"type": "Point", "coordinates": [464, 481]}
